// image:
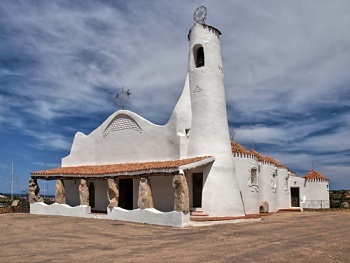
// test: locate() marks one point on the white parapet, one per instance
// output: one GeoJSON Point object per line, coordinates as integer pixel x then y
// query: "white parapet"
{"type": "Point", "coordinates": [146, 216]}
{"type": "Point", "coordinates": [150, 216]}
{"type": "Point", "coordinates": [60, 209]}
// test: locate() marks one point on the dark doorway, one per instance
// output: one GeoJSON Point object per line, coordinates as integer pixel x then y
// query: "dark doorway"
{"type": "Point", "coordinates": [126, 194]}
{"type": "Point", "coordinates": [197, 184]}
{"type": "Point", "coordinates": [295, 196]}
{"type": "Point", "coordinates": [92, 195]}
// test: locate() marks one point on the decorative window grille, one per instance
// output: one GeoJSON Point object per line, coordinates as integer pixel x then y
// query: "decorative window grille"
{"type": "Point", "coordinates": [253, 176]}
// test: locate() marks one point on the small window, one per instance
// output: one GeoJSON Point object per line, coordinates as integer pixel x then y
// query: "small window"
{"type": "Point", "coordinates": [253, 176]}
{"type": "Point", "coordinates": [200, 57]}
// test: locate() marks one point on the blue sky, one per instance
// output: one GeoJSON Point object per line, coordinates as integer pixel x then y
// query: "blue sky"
{"type": "Point", "coordinates": [286, 76]}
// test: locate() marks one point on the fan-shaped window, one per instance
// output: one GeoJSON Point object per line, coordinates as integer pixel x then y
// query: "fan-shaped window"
{"type": "Point", "coordinates": [122, 123]}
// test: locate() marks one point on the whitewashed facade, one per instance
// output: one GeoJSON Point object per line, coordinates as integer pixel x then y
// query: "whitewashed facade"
{"type": "Point", "coordinates": [221, 180]}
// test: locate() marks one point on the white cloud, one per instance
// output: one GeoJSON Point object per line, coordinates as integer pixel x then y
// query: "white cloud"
{"type": "Point", "coordinates": [260, 134]}
{"type": "Point", "coordinates": [337, 141]}
{"type": "Point", "coordinates": [49, 140]}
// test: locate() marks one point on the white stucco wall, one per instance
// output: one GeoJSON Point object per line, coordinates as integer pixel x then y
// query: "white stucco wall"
{"type": "Point", "coordinates": [267, 186]}
{"type": "Point", "coordinates": [283, 190]}
{"type": "Point", "coordinates": [163, 193]}
{"type": "Point", "coordinates": [101, 200]}
{"type": "Point", "coordinates": [124, 137]}
{"type": "Point", "coordinates": [315, 192]}
{"type": "Point", "coordinates": [298, 182]}
{"type": "Point", "coordinates": [72, 192]}
{"type": "Point", "coordinates": [250, 193]}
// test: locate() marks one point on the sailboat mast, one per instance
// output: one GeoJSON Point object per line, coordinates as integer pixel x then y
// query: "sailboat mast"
{"type": "Point", "coordinates": [13, 173]}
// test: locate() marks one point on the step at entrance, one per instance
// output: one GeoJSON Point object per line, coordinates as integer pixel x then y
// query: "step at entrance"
{"type": "Point", "coordinates": [288, 210]}
{"type": "Point", "coordinates": [197, 212]}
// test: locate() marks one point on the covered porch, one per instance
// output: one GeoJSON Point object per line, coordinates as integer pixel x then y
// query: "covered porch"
{"type": "Point", "coordinates": [147, 192]}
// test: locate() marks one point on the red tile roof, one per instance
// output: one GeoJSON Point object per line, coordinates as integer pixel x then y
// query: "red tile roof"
{"type": "Point", "coordinates": [313, 175]}
{"type": "Point", "coordinates": [271, 160]}
{"type": "Point", "coordinates": [237, 148]}
{"type": "Point", "coordinates": [260, 157]}
{"type": "Point", "coordinates": [121, 168]}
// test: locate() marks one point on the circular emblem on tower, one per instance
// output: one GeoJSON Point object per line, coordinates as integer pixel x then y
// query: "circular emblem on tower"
{"type": "Point", "coordinates": [200, 15]}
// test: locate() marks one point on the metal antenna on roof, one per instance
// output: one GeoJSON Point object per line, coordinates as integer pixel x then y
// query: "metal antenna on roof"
{"type": "Point", "coordinates": [268, 151]}
{"type": "Point", "coordinates": [123, 97]}
{"type": "Point", "coordinates": [313, 165]}
{"type": "Point", "coordinates": [252, 144]}
{"type": "Point", "coordinates": [232, 134]}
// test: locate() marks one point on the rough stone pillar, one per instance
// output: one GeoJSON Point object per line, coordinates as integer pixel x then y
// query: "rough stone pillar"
{"type": "Point", "coordinates": [145, 199]}
{"type": "Point", "coordinates": [83, 192]}
{"type": "Point", "coordinates": [113, 192]}
{"type": "Point", "coordinates": [60, 192]}
{"type": "Point", "coordinates": [181, 199]}
{"type": "Point", "coordinates": [34, 191]}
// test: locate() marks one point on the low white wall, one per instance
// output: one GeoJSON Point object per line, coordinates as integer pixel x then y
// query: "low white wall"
{"type": "Point", "coordinates": [146, 216]}
{"type": "Point", "coordinates": [150, 216]}
{"type": "Point", "coordinates": [40, 208]}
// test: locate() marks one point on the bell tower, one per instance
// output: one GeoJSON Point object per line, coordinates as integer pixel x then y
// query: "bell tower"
{"type": "Point", "coordinates": [209, 134]}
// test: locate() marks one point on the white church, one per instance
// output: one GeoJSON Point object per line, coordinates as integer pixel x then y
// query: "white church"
{"type": "Point", "coordinates": [130, 169]}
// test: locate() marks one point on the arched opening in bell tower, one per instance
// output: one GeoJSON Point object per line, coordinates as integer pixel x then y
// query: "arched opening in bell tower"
{"type": "Point", "coordinates": [198, 53]}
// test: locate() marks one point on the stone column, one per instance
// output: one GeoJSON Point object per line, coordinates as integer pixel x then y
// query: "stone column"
{"type": "Point", "coordinates": [113, 192]}
{"type": "Point", "coordinates": [83, 192]}
{"type": "Point", "coordinates": [60, 192]}
{"type": "Point", "coordinates": [145, 199]}
{"type": "Point", "coordinates": [34, 191]}
{"type": "Point", "coordinates": [181, 199]}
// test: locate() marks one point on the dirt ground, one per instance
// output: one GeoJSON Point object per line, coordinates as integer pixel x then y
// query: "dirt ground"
{"type": "Point", "coordinates": [283, 237]}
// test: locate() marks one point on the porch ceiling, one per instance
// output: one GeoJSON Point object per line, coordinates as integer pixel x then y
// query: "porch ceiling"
{"type": "Point", "coordinates": [124, 169]}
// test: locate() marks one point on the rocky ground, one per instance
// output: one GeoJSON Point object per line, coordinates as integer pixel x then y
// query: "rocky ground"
{"type": "Point", "coordinates": [283, 237]}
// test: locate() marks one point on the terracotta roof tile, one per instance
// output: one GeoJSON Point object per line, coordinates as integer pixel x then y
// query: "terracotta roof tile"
{"type": "Point", "coordinates": [313, 175]}
{"type": "Point", "coordinates": [119, 168]}
{"type": "Point", "coordinates": [237, 148]}
{"type": "Point", "coordinates": [268, 159]}
{"type": "Point", "coordinates": [260, 157]}
{"type": "Point", "coordinates": [271, 160]}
